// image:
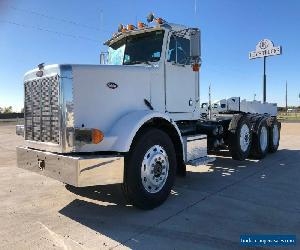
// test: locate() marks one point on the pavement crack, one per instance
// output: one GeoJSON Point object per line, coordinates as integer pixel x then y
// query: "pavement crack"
{"type": "Point", "coordinates": [58, 239]}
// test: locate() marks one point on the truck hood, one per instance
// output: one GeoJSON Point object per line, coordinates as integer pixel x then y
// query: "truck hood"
{"type": "Point", "coordinates": [102, 94]}
{"type": "Point", "coordinates": [62, 97]}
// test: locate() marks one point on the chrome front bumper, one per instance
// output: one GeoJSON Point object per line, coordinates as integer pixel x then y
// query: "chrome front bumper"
{"type": "Point", "coordinates": [76, 170]}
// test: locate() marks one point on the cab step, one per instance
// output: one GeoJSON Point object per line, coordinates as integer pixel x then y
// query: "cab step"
{"type": "Point", "coordinates": [195, 147]}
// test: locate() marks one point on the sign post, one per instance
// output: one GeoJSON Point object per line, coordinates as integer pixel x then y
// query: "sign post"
{"type": "Point", "coordinates": [264, 49]}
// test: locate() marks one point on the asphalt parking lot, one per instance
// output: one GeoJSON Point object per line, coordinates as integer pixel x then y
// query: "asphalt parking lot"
{"type": "Point", "coordinates": [208, 209]}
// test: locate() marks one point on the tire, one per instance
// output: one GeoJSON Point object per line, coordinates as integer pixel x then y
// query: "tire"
{"type": "Point", "coordinates": [240, 139]}
{"type": "Point", "coordinates": [150, 169]}
{"type": "Point", "coordinates": [260, 141]}
{"type": "Point", "coordinates": [274, 137]}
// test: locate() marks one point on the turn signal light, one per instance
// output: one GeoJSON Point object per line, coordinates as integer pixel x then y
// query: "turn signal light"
{"type": "Point", "coordinates": [88, 135]}
{"type": "Point", "coordinates": [97, 136]}
{"type": "Point", "coordinates": [196, 67]}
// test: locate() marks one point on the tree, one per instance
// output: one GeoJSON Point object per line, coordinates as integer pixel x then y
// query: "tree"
{"type": "Point", "coordinates": [7, 110]}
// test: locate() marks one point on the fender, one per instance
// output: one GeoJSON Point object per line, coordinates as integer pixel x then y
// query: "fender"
{"type": "Point", "coordinates": [234, 122]}
{"type": "Point", "coordinates": [126, 128]}
{"type": "Point", "coordinates": [123, 131]}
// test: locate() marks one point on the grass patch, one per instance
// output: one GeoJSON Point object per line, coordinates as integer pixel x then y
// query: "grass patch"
{"type": "Point", "coordinates": [289, 117]}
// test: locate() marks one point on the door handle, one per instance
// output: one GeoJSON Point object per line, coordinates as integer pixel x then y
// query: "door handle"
{"type": "Point", "coordinates": [190, 102]}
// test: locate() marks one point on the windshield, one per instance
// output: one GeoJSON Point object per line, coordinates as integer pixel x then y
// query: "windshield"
{"type": "Point", "coordinates": [140, 48]}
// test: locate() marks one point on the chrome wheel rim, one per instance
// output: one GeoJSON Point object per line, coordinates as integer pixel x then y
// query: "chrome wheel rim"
{"type": "Point", "coordinates": [263, 140]}
{"type": "Point", "coordinates": [275, 135]}
{"type": "Point", "coordinates": [244, 137]}
{"type": "Point", "coordinates": [155, 169]}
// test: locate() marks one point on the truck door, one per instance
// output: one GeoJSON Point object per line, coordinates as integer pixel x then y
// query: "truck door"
{"type": "Point", "coordinates": [180, 77]}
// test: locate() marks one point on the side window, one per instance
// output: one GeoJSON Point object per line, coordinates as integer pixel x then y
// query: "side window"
{"type": "Point", "coordinates": [179, 50]}
{"type": "Point", "coordinates": [183, 50]}
{"type": "Point", "coordinates": [172, 50]}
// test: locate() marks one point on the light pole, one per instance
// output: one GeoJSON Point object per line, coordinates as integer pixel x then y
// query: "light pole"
{"type": "Point", "coordinates": [265, 81]}
{"type": "Point", "coordinates": [299, 103]}
{"type": "Point", "coordinates": [286, 94]}
{"type": "Point", "coordinates": [209, 101]}
{"type": "Point", "coordinates": [263, 49]}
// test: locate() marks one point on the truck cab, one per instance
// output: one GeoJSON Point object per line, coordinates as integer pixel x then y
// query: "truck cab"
{"type": "Point", "coordinates": [169, 52]}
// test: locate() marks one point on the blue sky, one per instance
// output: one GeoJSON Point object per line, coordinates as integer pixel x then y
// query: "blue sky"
{"type": "Point", "coordinates": [68, 31]}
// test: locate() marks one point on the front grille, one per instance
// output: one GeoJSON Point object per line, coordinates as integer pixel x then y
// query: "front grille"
{"type": "Point", "coordinates": [42, 109]}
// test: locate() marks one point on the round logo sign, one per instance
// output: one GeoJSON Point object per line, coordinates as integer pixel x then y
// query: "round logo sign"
{"type": "Point", "coordinates": [264, 44]}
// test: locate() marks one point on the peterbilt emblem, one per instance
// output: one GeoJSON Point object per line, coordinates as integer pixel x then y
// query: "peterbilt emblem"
{"type": "Point", "coordinates": [39, 73]}
{"type": "Point", "coordinates": [112, 85]}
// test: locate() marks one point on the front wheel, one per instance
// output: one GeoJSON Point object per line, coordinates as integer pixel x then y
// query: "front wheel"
{"type": "Point", "coordinates": [150, 169]}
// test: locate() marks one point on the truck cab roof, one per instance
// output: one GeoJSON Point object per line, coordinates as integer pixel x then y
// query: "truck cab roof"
{"type": "Point", "coordinates": [165, 26]}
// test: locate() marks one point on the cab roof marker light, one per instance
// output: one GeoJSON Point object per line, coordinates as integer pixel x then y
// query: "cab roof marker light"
{"type": "Point", "coordinates": [141, 25]}
{"type": "Point", "coordinates": [159, 20]}
{"type": "Point", "coordinates": [130, 27]}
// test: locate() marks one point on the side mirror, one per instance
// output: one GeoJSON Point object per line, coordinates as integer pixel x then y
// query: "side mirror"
{"type": "Point", "coordinates": [103, 58]}
{"type": "Point", "coordinates": [195, 44]}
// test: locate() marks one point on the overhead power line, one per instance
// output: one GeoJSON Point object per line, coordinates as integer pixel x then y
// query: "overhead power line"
{"type": "Point", "coordinates": [59, 19]}
{"type": "Point", "coordinates": [50, 31]}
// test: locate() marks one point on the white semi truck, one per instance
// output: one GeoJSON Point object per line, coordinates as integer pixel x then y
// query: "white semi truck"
{"type": "Point", "coordinates": [137, 120]}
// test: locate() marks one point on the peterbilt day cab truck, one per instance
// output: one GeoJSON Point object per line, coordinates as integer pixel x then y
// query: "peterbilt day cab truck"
{"type": "Point", "coordinates": [136, 120]}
